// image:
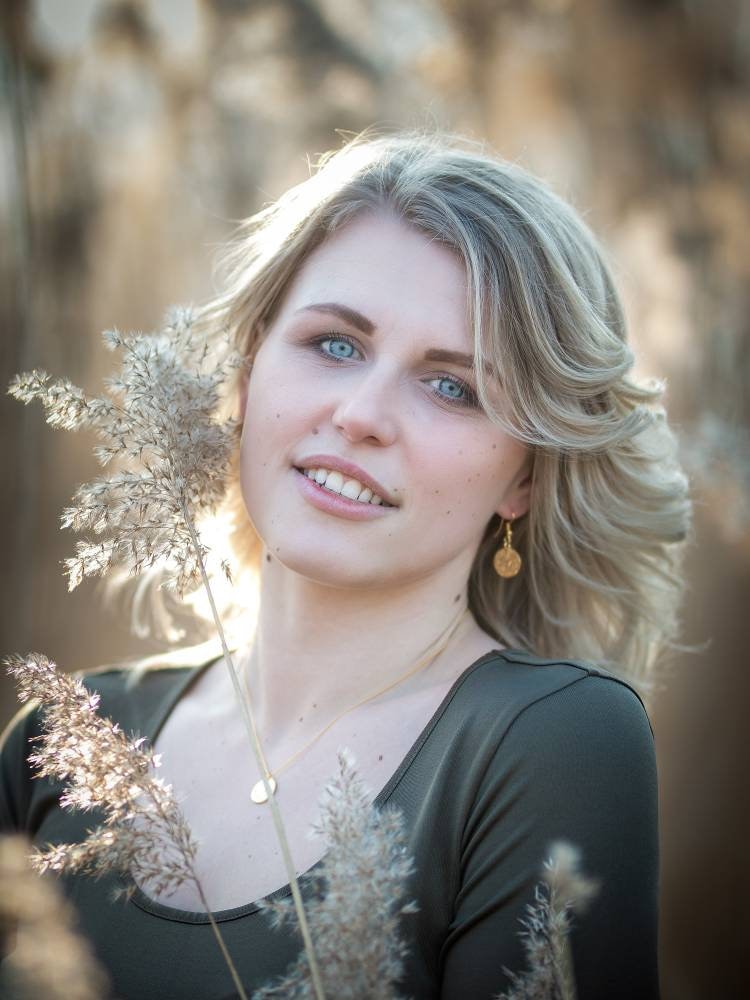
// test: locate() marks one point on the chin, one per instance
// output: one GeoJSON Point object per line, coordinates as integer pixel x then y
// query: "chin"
{"type": "Point", "coordinates": [320, 565]}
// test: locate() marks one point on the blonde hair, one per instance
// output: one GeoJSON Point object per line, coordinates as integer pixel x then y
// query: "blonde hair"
{"type": "Point", "coordinates": [601, 578]}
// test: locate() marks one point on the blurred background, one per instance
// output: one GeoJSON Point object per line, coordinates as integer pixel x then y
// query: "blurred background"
{"type": "Point", "coordinates": [134, 134]}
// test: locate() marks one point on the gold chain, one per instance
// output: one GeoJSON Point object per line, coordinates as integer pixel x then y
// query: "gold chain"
{"type": "Point", "coordinates": [258, 793]}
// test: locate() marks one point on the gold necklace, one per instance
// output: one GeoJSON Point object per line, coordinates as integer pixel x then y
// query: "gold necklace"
{"type": "Point", "coordinates": [258, 792]}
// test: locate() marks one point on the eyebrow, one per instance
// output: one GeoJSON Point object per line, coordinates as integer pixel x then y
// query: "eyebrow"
{"type": "Point", "coordinates": [366, 326]}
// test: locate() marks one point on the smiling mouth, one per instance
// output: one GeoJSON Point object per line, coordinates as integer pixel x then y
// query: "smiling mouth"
{"type": "Point", "coordinates": [347, 488]}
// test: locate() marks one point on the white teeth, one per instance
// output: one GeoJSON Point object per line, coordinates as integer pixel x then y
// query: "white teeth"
{"type": "Point", "coordinates": [334, 481]}
{"type": "Point", "coordinates": [352, 489]}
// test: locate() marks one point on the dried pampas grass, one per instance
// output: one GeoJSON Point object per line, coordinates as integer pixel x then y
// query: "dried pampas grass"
{"type": "Point", "coordinates": [355, 913]}
{"type": "Point", "coordinates": [43, 956]}
{"type": "Point", "coordinates": [563, 891]}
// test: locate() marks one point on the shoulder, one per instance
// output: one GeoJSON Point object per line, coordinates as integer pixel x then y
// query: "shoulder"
{"type": "Point", "coordinates": [129, 691]}
{"type": "Point", "coordinates": [134, 695]}
{"type": "Point", "coordinates": [135, 692]}
{"type": "Point", "coordinates": [556, 750]}
{"type": "Point", "coordinates": [513, 692]}
{"type": "Point", "coordinates": [133, 672]}
{"type": "Point", "coordinates": [562, 737]}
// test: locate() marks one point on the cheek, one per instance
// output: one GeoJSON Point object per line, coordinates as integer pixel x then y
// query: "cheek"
{"type": "Point", "coordinates": [257, 441]}
{"type": "Point", "coordinates": [276, 418]}
{"type": "Point", "coordinates": [268, 398]}
{"type": "Point", "coordinates": [278, 393]}
{"type": "Point", "coordinates": [452, 478]}
{"type": "Point", "coordinates": [470, 476]}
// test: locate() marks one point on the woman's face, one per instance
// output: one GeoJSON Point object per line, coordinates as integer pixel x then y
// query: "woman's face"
{"type": "Point", "coordinates": [358, 367]}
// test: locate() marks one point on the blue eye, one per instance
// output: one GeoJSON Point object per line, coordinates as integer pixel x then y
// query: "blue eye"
{"type": "Point", "coordinates": [341, 347]}
{"type": "Point", "coordinates": [455, 392]}
{"type": "Point", "coordinates": [458, 394]}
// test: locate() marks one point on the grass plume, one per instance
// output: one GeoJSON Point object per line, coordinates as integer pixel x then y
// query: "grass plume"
{"type": "Point", "coordinates": [143, 835]}
{"type": "Point", "coordinates": [563, 891]}
{"type": "Point", "coordinates": [161, 418]}
{"type": "Point", "coordinates": [355, 932]}
{"type": "Point", "coordinates": [43, 954]}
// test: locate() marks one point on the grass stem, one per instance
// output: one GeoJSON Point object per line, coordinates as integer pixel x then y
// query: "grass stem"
{"type": "Point", "coordinates": [246, 708]}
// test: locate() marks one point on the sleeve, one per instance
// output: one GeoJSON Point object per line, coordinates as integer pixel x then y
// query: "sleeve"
{"type": "Point", "coordinates": [575, 765]}
{"type": "Point", "coordinates": [15, 771]}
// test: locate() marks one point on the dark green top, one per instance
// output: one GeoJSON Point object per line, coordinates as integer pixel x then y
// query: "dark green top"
{"type": "Point", "coordinates": [522, 751]}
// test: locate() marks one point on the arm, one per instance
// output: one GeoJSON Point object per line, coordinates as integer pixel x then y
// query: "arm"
{"type": "Point", "coordinates": [579, 765]}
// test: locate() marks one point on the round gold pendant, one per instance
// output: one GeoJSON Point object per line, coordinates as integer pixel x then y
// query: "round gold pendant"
{"type": "Point", "coordinates": [258, 793]}
{"type": "Point", "coordinates": [507, 562]}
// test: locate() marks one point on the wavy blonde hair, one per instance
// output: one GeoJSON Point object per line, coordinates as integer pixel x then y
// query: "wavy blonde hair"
{"type": "Point", "coordinates": [601, 579]}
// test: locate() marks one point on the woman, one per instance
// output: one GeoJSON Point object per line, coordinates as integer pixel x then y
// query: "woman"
{"type": "Point", "coordinates": [463, 512]}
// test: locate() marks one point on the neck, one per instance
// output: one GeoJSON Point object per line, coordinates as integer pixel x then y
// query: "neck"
{"type": "Point", "coordinates": [320, 650]}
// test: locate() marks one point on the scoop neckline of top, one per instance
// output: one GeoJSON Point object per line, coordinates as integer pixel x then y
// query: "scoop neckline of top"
{"type": "Point", "coordinates": [163, 910]}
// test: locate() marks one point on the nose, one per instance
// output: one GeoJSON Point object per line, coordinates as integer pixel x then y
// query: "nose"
{"type": "Point", "coordinates": [366, 410]}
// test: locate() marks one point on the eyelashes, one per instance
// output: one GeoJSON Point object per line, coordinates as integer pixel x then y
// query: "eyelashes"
{"type": "Point", "coordinates": [468, 400]}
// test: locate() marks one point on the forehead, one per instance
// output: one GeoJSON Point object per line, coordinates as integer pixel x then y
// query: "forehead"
{"type": "Point", "coordinates": [391, 272]}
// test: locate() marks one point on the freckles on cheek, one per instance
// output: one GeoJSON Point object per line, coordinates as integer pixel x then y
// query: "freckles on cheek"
{"type": "Point", "coordinates": [264, 408]}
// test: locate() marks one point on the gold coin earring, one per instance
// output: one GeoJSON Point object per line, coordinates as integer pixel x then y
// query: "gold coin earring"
{"type": "Point", "coordinates": [506, 561]}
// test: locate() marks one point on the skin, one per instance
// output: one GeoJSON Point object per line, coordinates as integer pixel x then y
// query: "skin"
{"type": "Point", "coordinates": [346, 606]}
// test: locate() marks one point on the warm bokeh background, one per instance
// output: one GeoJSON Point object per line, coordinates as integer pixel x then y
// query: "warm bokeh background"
{"type": "Point", "coordinates": [134, 133]}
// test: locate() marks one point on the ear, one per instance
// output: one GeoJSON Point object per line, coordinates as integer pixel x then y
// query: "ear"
{"type": "Point", "coordinates": [517, 500]}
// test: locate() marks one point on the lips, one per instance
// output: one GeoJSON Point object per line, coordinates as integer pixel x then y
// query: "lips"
{"type": "Point", "coordinates": [349, 470]}
{"type": "Point", "coordinates": [335, 503]}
